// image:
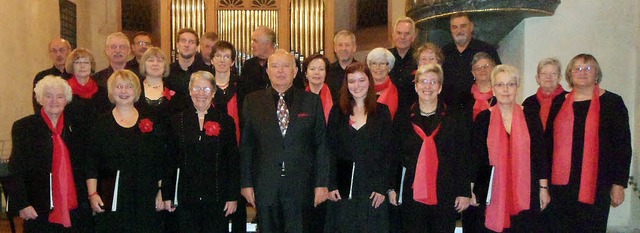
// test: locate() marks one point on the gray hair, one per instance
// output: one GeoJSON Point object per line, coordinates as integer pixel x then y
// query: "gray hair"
{"type": "Point", "coordinates": [381, 54]}
{"type": "Point", "coordinates": [52, 81]}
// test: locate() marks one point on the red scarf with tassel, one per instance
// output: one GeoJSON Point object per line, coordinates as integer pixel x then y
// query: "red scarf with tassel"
{"type": "Point", "coordinates": [562, 147]}
{"type": "Point", "coordinates": [510, 156]}
{"type": "Point", "coordinates": [327, 101]}
{"type": "Point", "coordinates": [388, 96]}
{"type": "Point", "coordinates": [63, 186]}
{"type": "Point", "coordinates": [482, 100]}
{"type": "Point", "coordinates": [232, 110]}
{"type": "Point", "coordinates": [545, 103]}
{"type": "Point", "coordinates": [424, 183]}
{"type": "Point", "coordinates": [85, 91]}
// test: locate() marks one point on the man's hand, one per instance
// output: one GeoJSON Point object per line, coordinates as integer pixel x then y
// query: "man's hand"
{"type": "Point", "coordinates": [28, 213]}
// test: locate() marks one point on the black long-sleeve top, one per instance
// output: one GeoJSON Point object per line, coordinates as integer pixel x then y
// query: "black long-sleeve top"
{"type": "Point", "coordinates": [209, 165]}
{"type": "Point", "coordinates": [481, 170]}
{"type": "Point", "coordinates": [368, 147]}
{"type": "Point", "coordinates": [452, 142]}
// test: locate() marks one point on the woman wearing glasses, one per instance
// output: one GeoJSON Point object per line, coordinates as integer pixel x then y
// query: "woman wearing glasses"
{"type": "Point", "coordinates": [204, 186]}
{"type": "Point", "coordinates": [591, 151]}
{"type": "Point", "coordinates": [380, 61]}
{"type": "Point", "coordinates": [511, 143]}
{"type": "Point", "coordinates": [435, 153]}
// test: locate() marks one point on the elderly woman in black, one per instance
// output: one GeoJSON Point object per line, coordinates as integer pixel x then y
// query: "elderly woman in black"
{"type": "Point", "coordinates": [44, 187]}
{"type": "Point", "coordinates": [511, 143]}
{"type": "Point", "coordinates": [206, 184]}
{"type": "Point", "coordinates": [434, 150]}
{"type": "Point", "coordinates": [126, 164]}
{"type": "Point", "coordinates": [591, 151]}
{"type": "Point", "coordinates": [549, 93]}
{"type": "Point", "coordinates": [359, 141]}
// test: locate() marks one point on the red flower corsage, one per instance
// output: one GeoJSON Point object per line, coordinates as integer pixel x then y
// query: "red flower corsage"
{"type": "Point", "coordinates": [168, 93]}
{"type": "Point", "coordinates": [145, 125]}
{"type": "Point", "coordinates": [211, 128]}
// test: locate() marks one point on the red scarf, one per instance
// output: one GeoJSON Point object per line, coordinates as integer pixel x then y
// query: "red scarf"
{"type": "Point", "coordinates": [232, 110]}
{"type": "Point", "coordinates": [327, 101]}
{"type": "Point", "coordinates": [482, 100]}
{"type": "Point", "coordinates": [85, 91]}
{"type": "Point", "coordinates": [424, 183]}
{"type": "Point", "coordinates": [63, 185]}
{"type": "Point", "coordinates": [510, 156]}
{"type": "Point", "coordinates": [388, 96]}
{"type": "Point", "coordinates": [545, 103]}
{"type": "Point", "coordinates": [562, 147]}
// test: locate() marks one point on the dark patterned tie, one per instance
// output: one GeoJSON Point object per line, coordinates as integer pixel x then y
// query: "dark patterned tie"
{"type": "Point", "coordinates": [283, 114]}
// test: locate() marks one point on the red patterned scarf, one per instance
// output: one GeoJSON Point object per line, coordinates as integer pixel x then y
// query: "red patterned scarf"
{"type": "Point", "coordinates": [482, 100]}
{"type": "Point", "coordinates": [232, 110]}
{"type": "Point", "coordinates": [510, 156]}
{"type": "Point", "coordinates": [388, 96]}
{"type": "Point", "coordinates": [545, 103]}
{"type": "Point", "coordinates": [327, 101]}
{"type": "Point", "coordinates": [85, 91]}
{"type": "Point", "coordinates": [424, 183]}
{"type": "Point", "coordinates": [63, 186]}
{"type": "Point", "coordinates": [562, 147]}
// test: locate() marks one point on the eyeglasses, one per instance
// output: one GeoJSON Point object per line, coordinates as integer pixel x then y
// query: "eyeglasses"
{"type": "Point", "coordinates": [185, 41]}
{"type": "Point", "coordinates": [81, 62]}
{"type": "Point", "coordinates": [426, 82]}
{"type": "Point", "coordinates": [482, 67]}
{"type": "Point", "coordinates": [205, 89]}
{"type": "Point", "coordinates": [222, 57]}
{"type": "Point", "coordinates": [128, 86]}
{"type": "Point", "coordinates": [588, 68]}
{"type": "Point", "coordinates": [428, 59]}
{"type": "Point", "coordinates": [375, 64]}
{"type": "Point", "coordinates": [143, 43]}
{"type": "Point", "coordinates": [553, 74]}
{"type": "Point", "coordinates": [503, 85]}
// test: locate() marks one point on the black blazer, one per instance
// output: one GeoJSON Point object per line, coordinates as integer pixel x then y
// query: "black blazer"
{"type": "Point", "coordinates": [452, 142]}
{"type": "Point", "coordinates": [30, 165]}
{"type": "Point", "coordinates": [209, 165]}
{"type": "Point", "coordinates": [303, 149]}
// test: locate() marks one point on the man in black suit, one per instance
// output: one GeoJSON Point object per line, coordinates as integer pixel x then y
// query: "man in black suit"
{"type": "Point", "coordinates": [59, 49]}
{"type": "Point", "coordinates": [284, 158]}
{"type": "Point", "coordinates": [117, 50]}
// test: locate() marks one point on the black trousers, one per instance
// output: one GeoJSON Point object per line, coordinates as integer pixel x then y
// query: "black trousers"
{"type": "Point", "coordinates": [202, 217]}
{"type": "Point", "coordinates": [239, 218]}
{"type": "Point", "coordinates": [419, 217]}
{"type": "Point", "coordinates": [289, 213]}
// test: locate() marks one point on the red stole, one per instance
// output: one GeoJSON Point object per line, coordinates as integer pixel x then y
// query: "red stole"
{"type": "Point", "coordinates": [388, 96]}
{"type": "Point", "coordinates": [85, 91]}
{"type": "Point", "coordinates": [482, 100]}
{"type": "Point", "coordinates": [327, 101]}
{"type": "Point", "coordinates": [425, 179]}
{"type": "Point", "coordinates": [562, 147]}
{"type": "Point", "coordinates": [63, 186]}
{"type": "Point", "coordinates": [232, 110]}
{"type": "Point", "coordinates": [510, 156]}
{"type": "Point", "coordinates": [545, 103]}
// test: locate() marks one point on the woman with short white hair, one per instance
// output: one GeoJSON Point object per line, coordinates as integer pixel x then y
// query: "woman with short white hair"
{"type": "Point", "coordinates": [380, 61]}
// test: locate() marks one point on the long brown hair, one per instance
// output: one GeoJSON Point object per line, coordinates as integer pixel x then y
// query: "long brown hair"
{"type": "Point", "coordinates": [346, 99]}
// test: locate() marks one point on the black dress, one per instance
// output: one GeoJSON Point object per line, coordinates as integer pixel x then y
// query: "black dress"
{"type": "Point", "coordinates": [452, 142]}
{"type": "Point", "coordinates": [209, 171]}
{"type": "Point", "coordinates": [529, 220]}
{"type": "Point", "coordinates": [368, 148]}
{"type": "Point", "coordinates": [139, 157]}
{"type": "Point", "coordinates": [569, 215]}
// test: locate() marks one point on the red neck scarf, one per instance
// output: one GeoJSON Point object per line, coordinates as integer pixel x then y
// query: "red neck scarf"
{"type": "Point", "coordinates": [85, 91]}
{"type": "Point", "coordinates": [545, 103]}
{"type": "Point", "coordinates": [482, 100]}
{"type": "Point", "coordinates": [388, 96]}
{"type": "Point", "coordinates": [232, 110]}
{"type": "Point", "coordinates": [327, 101]}
{"type": "Point", "coordinates": [562, 147]}
{"type": "Point", "coordinates": [510, 156]}
{"type": "Point", "coordinates": [63, 186]}
{"type": "Point", "coordinates": [424, 183]}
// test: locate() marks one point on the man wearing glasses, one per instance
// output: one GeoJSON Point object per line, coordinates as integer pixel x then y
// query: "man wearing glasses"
{"type": "Point", "coordinates": [140, 42]}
